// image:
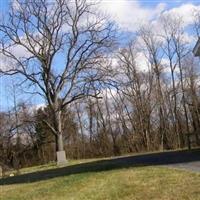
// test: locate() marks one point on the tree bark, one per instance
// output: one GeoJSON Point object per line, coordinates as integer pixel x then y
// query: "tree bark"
{"type": "Point", "coordinates": [58, 128]}
{"type": "Point", "coordinates": [60, 142]}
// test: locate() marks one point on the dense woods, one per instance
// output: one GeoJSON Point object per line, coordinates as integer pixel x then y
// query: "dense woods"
{"type": "Point", "coordinates": [144, 96]}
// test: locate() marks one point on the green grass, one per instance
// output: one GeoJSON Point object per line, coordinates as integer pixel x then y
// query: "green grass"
{"type": "Point", "coordinates": [142, 183]}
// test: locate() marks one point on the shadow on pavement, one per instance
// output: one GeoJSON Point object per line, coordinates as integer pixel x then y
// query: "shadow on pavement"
{"type": "Point", "coordinates": [165, 158]}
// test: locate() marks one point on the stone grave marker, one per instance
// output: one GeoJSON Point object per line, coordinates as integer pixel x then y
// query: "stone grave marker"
{"type": "Point", "coordinates": [1, 172]}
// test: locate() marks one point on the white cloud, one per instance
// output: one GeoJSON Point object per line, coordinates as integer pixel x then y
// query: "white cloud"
{"type": "Point", "coordinates": [129, 15]}
{"type": "Point", "coordinates": [7, 63]}
{"type": "Point", "coordinates": [185, 11]}
{"type": "Point", "coordinates": [187, 38]}
{"type": "Point", "coordinates": [109, 93]}
{"type": "Point", "coordinates": [34, 108]}
{"type": "Point", "coordinates": [20, 51]}
{"type": "Point", "coordinates": [142, 62]}
{"type": "Point", "coordinates": [38, 106]}
{"type": "Point", "coordinates": [16, 5]}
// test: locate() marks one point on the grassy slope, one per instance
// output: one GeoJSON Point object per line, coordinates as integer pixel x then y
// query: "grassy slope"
{"type": "Point", "coordinates": [125, 184]}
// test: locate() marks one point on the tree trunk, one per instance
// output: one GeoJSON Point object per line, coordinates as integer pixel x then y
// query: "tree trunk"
{"type": "Point", "coordinates": [60, 142]}
{"type": "Point", "coordinates": [58, 128]}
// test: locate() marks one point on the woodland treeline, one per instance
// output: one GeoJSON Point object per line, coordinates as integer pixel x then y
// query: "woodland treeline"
{"type": "Point", "coordinates": [149, 101]}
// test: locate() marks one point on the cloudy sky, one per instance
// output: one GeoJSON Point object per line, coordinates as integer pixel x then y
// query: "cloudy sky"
{"type": "Point", "coordinates": [128, 15]}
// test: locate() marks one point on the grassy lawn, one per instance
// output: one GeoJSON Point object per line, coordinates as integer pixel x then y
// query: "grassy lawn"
{"type": "Point", "coordinates": [142, 183]}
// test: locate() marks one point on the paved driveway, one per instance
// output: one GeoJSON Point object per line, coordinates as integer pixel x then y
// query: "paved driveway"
{"type": "Point", "coordinates": [190, 166]}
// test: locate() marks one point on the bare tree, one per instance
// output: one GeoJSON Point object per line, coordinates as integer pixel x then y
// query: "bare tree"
{"type": "Point", "coordinates": [182, 50]}
{"type": "Point", "coordinates": [190, 68]}
{"type": "Point", "coordinates": [137, 91]}
{"type": "Point", "coordinates": [172, 26]}
{"type": "Point", "coordinates": [63, 43]}
{"type": "Point", "coordinates": [154, 54]}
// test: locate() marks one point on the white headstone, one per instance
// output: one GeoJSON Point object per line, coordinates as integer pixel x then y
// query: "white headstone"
{"type": "Point", "coordinates": [1, 172]}
{"type": "Point", "coordinates": [61, 158]}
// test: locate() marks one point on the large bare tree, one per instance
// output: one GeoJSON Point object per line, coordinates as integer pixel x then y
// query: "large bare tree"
{"type": "Point", "coordinates": [63, 42]}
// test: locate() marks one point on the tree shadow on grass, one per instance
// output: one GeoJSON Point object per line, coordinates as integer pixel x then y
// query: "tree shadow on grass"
{"type": "Point", "coordinates": [153, 159]}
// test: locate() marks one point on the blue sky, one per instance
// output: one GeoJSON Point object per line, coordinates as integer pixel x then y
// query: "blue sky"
{"type": "Point", "coordinates": [127, 14]}
{"type": "Point", "coordinates": [4, 4]}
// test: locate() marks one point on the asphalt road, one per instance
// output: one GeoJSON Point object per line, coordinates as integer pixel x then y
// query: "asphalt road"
{"type": "Point", "coordinates": [190, 166]}
{"type": "Point", "coordinates": [189, 160]}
